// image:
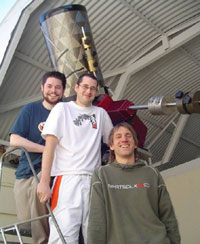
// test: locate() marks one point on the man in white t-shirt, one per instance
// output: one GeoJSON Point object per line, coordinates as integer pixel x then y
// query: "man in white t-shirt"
{"type": "Point", "coordinates": [73, 133]}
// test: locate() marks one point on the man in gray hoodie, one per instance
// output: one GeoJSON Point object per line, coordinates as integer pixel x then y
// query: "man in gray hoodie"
{"type": "Point", "coordinates": [129, 200]}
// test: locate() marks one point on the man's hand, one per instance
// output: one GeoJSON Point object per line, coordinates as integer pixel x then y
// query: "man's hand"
{"type": "Point", "coordinates": [43, 189]}
{"type": "Point", "coordinates": [43, 192]}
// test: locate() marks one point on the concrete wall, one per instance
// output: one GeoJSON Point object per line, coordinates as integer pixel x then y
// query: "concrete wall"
{"type": "Point", "coordinates": [183, 184]}
{"type": "Point", "coordinates": [7, 204]}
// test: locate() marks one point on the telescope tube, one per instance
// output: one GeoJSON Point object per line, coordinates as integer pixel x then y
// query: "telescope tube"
{"type": "Point", "coordinates": [70, 43]}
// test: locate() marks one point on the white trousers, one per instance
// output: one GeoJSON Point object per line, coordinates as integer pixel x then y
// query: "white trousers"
{"type": "Point", "coordinates": [70, 205]}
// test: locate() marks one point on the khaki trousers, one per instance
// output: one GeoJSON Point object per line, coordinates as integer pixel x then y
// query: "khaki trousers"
{"type": "Point", "coordinates": [28, 206]}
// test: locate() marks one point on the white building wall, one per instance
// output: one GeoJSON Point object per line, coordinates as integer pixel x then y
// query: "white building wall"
{"type": "Point", "coordinates": [183, 184]}
{"type": "Point", "coordinates": [7, 204]}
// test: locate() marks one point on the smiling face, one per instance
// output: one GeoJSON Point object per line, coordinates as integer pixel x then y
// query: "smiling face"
{"type": "Point", "coordinates": [123, 145]}
{"type": "Point", "coordinates": [86, 91]}
{"type": "Point", "coordinates": [52, 91]}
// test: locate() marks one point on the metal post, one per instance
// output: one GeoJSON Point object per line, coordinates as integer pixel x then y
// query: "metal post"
{"type": "Point", "coordinates": [162, 131]}
{"type": "Point", "coordinates": [18, 234]}
{"type": "Point", "coordinates": [175, 138]}
{"type": "Point", "coordinates": [3, 236]}
{"type": "Point", "coordinates": [47, 204]}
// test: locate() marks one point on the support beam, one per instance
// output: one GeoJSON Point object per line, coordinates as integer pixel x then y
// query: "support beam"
{"type": "Point", "coordinates": [19, 103]}
{"type": "Point", "coordinates": [189, 55]}
{"type": "Point", "coordinates": [152, 56]}
{"type": "Point", "coordinates": [15, 37]}
{"type": "Point", "coordinates": [162, 127]}
{"type": "Point", "coordinates": [160, 52]}
{"type": "Point", "coordinates": [32, 61]}
{"type": "Point", "coordinates": [121, 86]}
{"type": "Point", "coordinates": [142, 16]}
{"type": "Point", "coordinates": [175, 138]}
{"type": "Point", "coordinates": [162, 131]}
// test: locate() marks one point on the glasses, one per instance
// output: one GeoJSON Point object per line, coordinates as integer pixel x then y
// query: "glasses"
{"type": "Point", "coordinates": [91, 88]}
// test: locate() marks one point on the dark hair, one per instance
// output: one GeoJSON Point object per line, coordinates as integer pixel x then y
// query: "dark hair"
{"type": "Point", "coordinates": [90, 75]}
{"type": "Point", "coordinates": [110, 138]}
{"type": "Point", "coordinates": [55, 74]}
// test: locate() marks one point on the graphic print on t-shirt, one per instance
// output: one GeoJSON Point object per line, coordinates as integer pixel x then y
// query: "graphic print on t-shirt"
{"type": "Point", "coordinates": [41, 126]}
{"type": "Point", "coordinates": [81, 118]}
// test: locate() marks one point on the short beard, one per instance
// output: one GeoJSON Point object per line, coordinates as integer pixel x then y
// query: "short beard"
{"type": "Point", "coordinates": [50, 102]}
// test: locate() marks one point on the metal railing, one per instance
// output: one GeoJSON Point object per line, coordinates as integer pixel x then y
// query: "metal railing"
{"type": "Point", "coordinates": [14, 228]}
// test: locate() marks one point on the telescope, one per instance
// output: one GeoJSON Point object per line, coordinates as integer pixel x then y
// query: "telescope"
{"type": "Point", "coordinates": [184, 103]}
{"type": "Point", "coordinates": [72, 51]}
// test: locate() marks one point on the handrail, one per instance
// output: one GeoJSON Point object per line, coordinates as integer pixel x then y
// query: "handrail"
{"type": "Point", "coordinates": [37, 179]}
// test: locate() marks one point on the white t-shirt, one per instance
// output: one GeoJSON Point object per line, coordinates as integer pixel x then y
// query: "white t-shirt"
{"type": "Point", "coordinates": [79, 131]}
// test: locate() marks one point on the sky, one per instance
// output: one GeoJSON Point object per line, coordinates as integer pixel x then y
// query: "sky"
{"type": "Point", "coordinates": [5, 6]}
{"type": "Point", "coordinates": [8, 26]}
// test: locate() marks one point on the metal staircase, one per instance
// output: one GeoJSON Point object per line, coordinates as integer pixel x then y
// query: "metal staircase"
{"type": "Point", "coordinates": [17, 228]}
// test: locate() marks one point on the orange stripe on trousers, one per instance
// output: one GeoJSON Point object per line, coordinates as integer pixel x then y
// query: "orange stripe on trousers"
{"type": "Point", "coordinates": [55, 193]}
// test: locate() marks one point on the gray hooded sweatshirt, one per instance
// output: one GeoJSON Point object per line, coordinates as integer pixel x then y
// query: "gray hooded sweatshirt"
{"type": "Point", "coordinates": [130, 205]}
